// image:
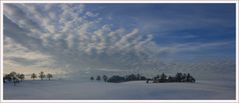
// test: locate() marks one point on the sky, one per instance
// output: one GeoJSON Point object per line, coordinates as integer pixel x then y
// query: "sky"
{"type": "Point", "coordinates": [81, 40]}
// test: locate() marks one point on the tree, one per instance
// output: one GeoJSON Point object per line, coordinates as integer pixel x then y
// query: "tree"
{"type": "Point", "coordinates": [91, 78]}
{"type": "Point", "coordinates": [98, 78]}
{"type": "Point", "coordinates": [157, 77]}
{"type": "Point", "coordinates": [138, 77]}
{"type": "Point", "coordinates": [105, 78]}
{"type": "Point", "coordinates": [49, 76]}
{"type": "Point", "coordinates": [116, 79]}
{"type": "Point", "coordinates": [12, 74]}
{"type": "Point", "coordinates": [15, 80]}
{"type": "Point", "coordinates": [18, 75]}
{"type": "Point", "coordinates": [42, 75]}
{"type": "Point", "coordinates": [179, 77]}
{"type": "Point", "coordinates": [163, 78]}
{"type": "Point", "coordinates": [21, 76]}
{"type": "Point", "coordinates": [170, 79]}
{"type": "Point", "coordinates": [184, 77]}
{"type": "Point", "coordinates": [193, 80]}
{"type": "Point", "coordinates": [131, 77]}
{"type": "Point", "coordinates": [33, 76]}
{"type": "Point", "coordinates": [142, 78]}
{"type": "Point", "coordinates": [8, 77]}
{"type": "Point", "coordinates": [188, 77]}
{"type": "Point", "coordinates": [4, 78]}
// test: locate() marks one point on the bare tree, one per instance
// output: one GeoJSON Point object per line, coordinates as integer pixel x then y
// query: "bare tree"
{"type": "Point", "coordinates": [12, 74]}
{"type": "Point", "coordinates": [105, 78]}
{"type": "Point", "coordinates": [98, 78]}
{"type": "Point", "coordinates": [21, 76]}
{"type": "Point", "coordinates": [91, 78]}
{"type": "Point", "coordinates": [33, 76]}
{"type": "Point", "coordinates": [42, 75]}
{"type": "Point", "coordinates": [49, 76]}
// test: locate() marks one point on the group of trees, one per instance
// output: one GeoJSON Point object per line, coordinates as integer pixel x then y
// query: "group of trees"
{"type": "Point", "coordinates": [13, 77]}
{"type": "Point", "coordinates": [179, 77]}
{"type": "Point", "coordinates": [18, 77]}
{"type": "Point", "coordinates": [117, 78]}
{"type": "Point", "coordinates": [41, 76]}
{"type": "Point", "coordinates": [98, 78]}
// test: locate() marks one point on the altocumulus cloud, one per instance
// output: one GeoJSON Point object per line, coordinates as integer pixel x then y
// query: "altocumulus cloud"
{"type": "Point", "coordinates": [69, 38]}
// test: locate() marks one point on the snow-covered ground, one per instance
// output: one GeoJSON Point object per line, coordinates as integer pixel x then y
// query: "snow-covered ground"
{"type": "Point", "coordinates": [63, 89]}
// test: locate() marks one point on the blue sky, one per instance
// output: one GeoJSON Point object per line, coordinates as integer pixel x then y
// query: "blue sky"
{"type": "Point", "coordinates": [92, 39]}
{"type": "Point", "coordinates": [174, 23]}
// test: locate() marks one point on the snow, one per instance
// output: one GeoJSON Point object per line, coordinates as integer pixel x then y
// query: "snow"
{"type": "Point", "coordinates": [94, 90]}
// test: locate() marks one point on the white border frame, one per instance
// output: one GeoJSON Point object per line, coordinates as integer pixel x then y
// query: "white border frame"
{"type": "Point", "coordinates": [108, 101]}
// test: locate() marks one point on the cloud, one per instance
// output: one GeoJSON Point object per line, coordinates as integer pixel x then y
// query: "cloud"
{"type": "Point", "coordinates": [73, 39]}
{"type": "Point", "coordinates": [90, 14]}
{"type": "Point", "coordinates": [186, 47]}
{"type": "Point", "coordinates": [21, 59]}
{"type": "Point", "coordinates": [79, 37]}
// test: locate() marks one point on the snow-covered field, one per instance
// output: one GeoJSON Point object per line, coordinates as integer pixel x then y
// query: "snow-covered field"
{"type": "Point", "coordinates": [63, 89]}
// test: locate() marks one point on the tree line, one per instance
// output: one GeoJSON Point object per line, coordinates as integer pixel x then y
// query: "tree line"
{"type": "Point", "coordinates": [179, 77]}
{"type": "Point", "coordinates": [13, 77]}
{"type": "Point", "coordinates": [117, 78]}
{"type": "Point", "coordinates": [41, 76]}
{"type": "Point", "coordinates": [18, 77]}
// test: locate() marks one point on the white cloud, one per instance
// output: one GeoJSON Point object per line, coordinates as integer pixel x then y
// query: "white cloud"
{"type": "Point", "coordinates": [193, 46]}
{"type": "Point", "coordinates": [21, 59]}
{"type": "Point", "coordinates": [90, 14]}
